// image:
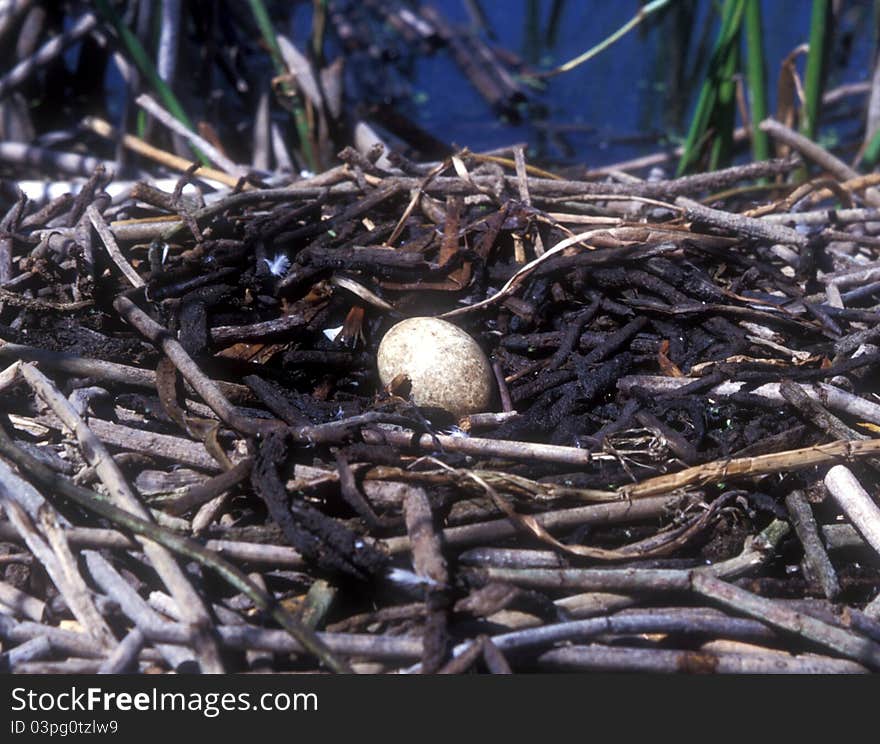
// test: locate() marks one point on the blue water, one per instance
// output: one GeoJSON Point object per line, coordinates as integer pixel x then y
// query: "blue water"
{"type": "Point", "coordinates": [619, 104]}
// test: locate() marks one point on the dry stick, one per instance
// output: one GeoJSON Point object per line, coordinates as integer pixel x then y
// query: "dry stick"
{"type": "Point", "coordinates": [31, 650]}
{"type": "Point", "coordinates": [132, 605]}
{"type": "Point", "coordinates": [721, 470]}
{"type": "Point", "coordinates": [500, 529]}
{"type": "Point", "coordinates": [483, 448]}
{"type": "Point", "coordinates": [842, 537]}
{"type": "Point", "coordinates": [112, 248]}
{"type": "Point", "coordinates": [124, 656]}
{"type": "Point", "coordinates": [78, 602]}
{"type": "Point", "coordinates": [815, 557]}
{"type": "Point", "coordinates": [67, 642]}
{"type": "Point", "coordinates": [177, 543]}
{"type": "Point", "coordinates": [150, 105]}
{"type": "Point", "coordinates": [51, 49]}
{"type": "Point", "coordinates": [178, 449]}
{"type": "Point", "coordinates": [18, 603]}
{"type": "Point", "coordinates": [48, 520]}
{"type": "Point", "coordinates": [821, 417]}
{"type": "Point", "coordinates": [749, 227]}
{"type": "Point", "coordinates": [600, 658]}
{"type": "Point", "coordinates": [704, 584]}
{"type": "Point", "coordinates": [429, 563]}
{"type": "Point", "coordinates": [48, 160]}
{"type": "Point", "coordinates": [121, 495]}
{"type": "Point", "coordinates": [264, 639]}
{"type": "Point", "coordinates": [103, 129]}
{"type": "Point", "coordinates": [9, 225]}
{"type": "Point", "coordinates": [848, 277]}
{"type": "Point", "coordinates": [204, 386]}
{"type": "Point", "coordinates": [9, 376]}
{"type": "Point", "coordinates": [838, 640]}
{"type": "Point", "coordinates": [277, 556]}
{"type": "Point", "coordinates": [860, 509]}
{"type": "Point", "coordinates": [614, 624]}
{"type": "Point", "coordinates": [802, 402]}
{"type": "Point", "coordinates": [809, 149]}
{"type": "Point", "coordinates": [821, 216]}
{"type": "Point", "coordinates": [604, 580]}
{"type": "Point", "coordinates": [97, 369]}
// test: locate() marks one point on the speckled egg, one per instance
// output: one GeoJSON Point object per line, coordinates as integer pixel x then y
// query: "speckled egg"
{"type": "Point", "coordinates": [445, 365]}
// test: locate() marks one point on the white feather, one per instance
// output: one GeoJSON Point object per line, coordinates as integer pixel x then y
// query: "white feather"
{"type": "Point", "coordinates": [402, 576]}
{"type": "Point", "coordinates": [278, 265]}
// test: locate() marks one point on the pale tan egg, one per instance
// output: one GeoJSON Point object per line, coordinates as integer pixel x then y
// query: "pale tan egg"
{"type": "Point", "coordinates": [446, 367]}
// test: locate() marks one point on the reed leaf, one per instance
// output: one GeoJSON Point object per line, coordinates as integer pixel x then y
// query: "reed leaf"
{"type": "Point", "coordinates": [722, 64]}
{"type": "Point", "coordinates": [303, 130]}
{"type": "Point", "coordinates": [142, 61]}
{"type": "Point", "coordinates": [756, 78]}
{"type": "Point", "coordinates": [820, 37]}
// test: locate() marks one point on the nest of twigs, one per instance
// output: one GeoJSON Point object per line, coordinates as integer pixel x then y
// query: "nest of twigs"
{"type": "Point", "coordinates": [200, 470]}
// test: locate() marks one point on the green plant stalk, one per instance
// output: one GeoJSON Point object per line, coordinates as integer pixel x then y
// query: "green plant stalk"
{"type": "Point", "coordinates": [756, 78]}
{"type": "Point", "coordinates": [724, 115]}
{"type": "Point", "coordinates": [147, 68]}
{"type": "Point", "coordinates": [303, 132]}
{"type": "Point", "coordinates": [179, 544]}
{"type": "Point", "coordinates": [872, 151]}
{"type": "Point", "coordinates": [731, 19]}
{"type": "Point", "coordinates": [815, 73]}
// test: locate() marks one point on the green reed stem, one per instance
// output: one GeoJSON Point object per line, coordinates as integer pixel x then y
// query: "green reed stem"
{"type": "Point", "coordinates": [820, 33]}
{"type": "Point", "coordinates": [756, 78]}
{"type": "Point", "coordinates": [138, 55]}
{"type": "Point", "coordinates": [718, 71]}
{"type": "Point", "coordinates": [303, 131]}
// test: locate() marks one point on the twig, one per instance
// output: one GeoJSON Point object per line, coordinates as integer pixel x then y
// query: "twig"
{"type": "Point", "coordinates": [52, 160]}
{"type": "Point", "coordinates": [838, 640]}
{"type": "Point", "coordinates": [207, 388]}
{"type": "Point", "coordinates": [147, 103]}
{"type": "Point", "coordinates": [749, 227]}
{"type": "Point", "coordinates": [77, 601]}
{"type": "Point", "coordinates": [112, 248]}
{"type": "Point", "coordinates": [51, 49]}
{"type": "Point", "coordinates": [125, 655]}
{"type": "Point", "coordinates": [429, 563]}
{"type": "Point", "coordinates": [723, 470]}
{"type": "Point", "coordinates": [858, 506]}
{"type": "Point", "coordinates": [809, 149]}
{"type": "Point", "coordinates": [98, 369]}
{"type": "Point", "coordinates": [600, 658]}
{"type": "Point", "coordinates": [21, 604]}
{"type": "Point", "coordinates": [135, 144]}
{"type": "Point", "coordinates": [132, 605]}
{"type": "Point", "coordinates": [32, 650]}
{"type": "Point", "coordinates": [815, 556]}
{"type": "Point", "coordinates": [124, 497]}
{"type": "Point", "coordinates": [177, 543]}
